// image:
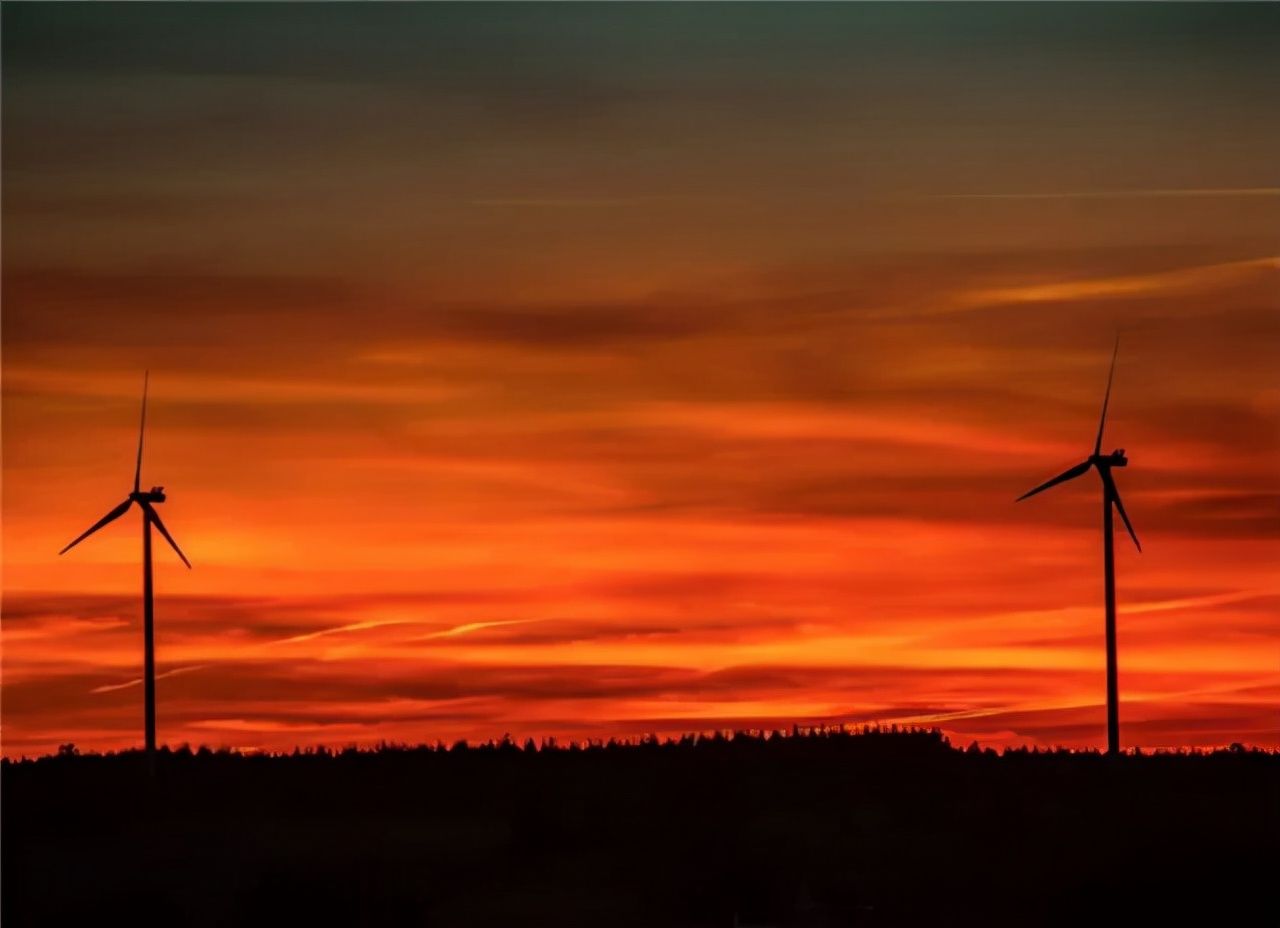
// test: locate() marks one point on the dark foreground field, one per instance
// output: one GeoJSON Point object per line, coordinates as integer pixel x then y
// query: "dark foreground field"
{"type": "Point", "coordinates": [826, 829]}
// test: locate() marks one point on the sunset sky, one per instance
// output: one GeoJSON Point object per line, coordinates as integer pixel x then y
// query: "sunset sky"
{"type": "Point", "coordinates": [601, 370]}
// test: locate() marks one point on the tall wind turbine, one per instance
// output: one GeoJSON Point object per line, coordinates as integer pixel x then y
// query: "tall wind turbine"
{"type": "Point", "coordinates": [1110, 501]}
{"type": "Point", "coordinates": [146, 502]}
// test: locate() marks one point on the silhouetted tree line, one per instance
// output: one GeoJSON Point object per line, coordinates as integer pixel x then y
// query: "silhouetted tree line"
{"type": "Point", "coordinates": [820, 826]}
{"type": "Point", "coordinates": [875, 738]}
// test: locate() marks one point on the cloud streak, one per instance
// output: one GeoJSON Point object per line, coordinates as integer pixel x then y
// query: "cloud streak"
{"type": "Point", "coordinates": [112, 687]}
{"type": "Point", "coordinates": [1131, 194]}
{"type": "Point", "coordinates": [1180, 280]}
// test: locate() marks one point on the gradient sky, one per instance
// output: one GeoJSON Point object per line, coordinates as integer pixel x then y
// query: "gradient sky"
{"type": "Point", "coordinates": [589, 370]}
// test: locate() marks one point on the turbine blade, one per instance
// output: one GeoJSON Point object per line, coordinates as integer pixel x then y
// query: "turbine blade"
{"type": "Point", "coordinates": [1097, 445]}
{"type": "Point", "coordinates": [109, 517]}
{"type": "Point", "coordinates": [1114, 494]}
{"type": "Point", "coordinates": [142, 427]}
{"type": "Point", "coordinates": [1061, 478]}
{"type": "Point", "coordinates": [155, 520]}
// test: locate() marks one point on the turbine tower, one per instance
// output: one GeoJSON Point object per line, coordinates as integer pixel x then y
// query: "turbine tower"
{"type": "Point", "coordinates": [146, 502]}
{"type": "Point", "coordinates": [1110, 501]}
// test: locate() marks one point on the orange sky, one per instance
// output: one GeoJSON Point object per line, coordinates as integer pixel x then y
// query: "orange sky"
{"type": "Point", "coordinates": [645, 369]}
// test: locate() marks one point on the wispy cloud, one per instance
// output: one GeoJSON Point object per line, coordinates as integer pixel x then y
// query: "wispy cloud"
{"type": "Point", "coordinates": [1133, 194]}
{"type": "Point", "coordinates": [177, 671]}
{"type": "Point", "coordinates": [558, 202]}
{"type": "Point", "coordinates": [469, 627]}
{"type": "Point", "coordinates": [790, 422]}
{"type": "Point", "coordinates": [341, 630]}
{"type": "Point", "coordinates": [1180, 280]}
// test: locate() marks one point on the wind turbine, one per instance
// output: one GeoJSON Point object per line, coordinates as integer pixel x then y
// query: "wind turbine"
{"type": "Point", "coordinates": [146, 502]}
{"type": "Point", "coordinates": [1110, 501]}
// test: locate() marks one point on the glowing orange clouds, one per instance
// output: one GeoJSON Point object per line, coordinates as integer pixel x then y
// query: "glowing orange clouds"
{"type": "Point", "coordinates": [637, 382]}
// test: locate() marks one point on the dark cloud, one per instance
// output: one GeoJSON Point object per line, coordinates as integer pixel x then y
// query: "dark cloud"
{"type": "Point", "coordinates": [263, 617]}
{"type": "Point", "coordinates": [164, 308]}
{"type": "Point", "coordinates": [1239, 514]}
{"type": "Point", "coordinates": [567, 325]}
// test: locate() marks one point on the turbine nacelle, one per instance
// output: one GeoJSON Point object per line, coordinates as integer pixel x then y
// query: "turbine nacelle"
{"type": "Point", "coordinates": [1114, 459]}
{"type": "Point", "coordinates": [154, 495]}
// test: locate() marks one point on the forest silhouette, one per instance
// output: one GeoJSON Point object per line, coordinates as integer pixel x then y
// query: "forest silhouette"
{"type": "Point", "coordinates": [808, 827]}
